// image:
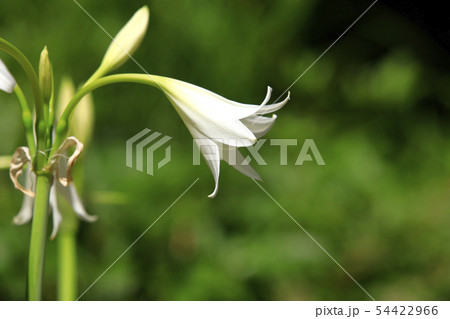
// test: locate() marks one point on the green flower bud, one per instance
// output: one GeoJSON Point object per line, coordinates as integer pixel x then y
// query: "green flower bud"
{"type": "Point", "coordinates": [45, 76]}
{"type": "Point", "coordinates": [126, 41]}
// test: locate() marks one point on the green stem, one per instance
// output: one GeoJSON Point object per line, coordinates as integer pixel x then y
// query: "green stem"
{"type": "Point", "coordinates": [40, 125]}
{"type": "Point", "coordinates": [67, 259]}
{"type": "Point", "coordinates": [95, 76]}
{"type": "Point", "coordinates": [27, 119]}
{"type": "Point", "coordinates": [63, 124]}
{"type": "Point", "coordinates": [29, 71]}
{"type": "Point", "coordinates": [5, 161]}
{"type": "Point", "coordinates": [38, 238]}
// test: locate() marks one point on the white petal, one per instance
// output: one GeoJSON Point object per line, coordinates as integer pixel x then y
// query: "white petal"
{"type": "Point", "coordinates": [71, 195]}
{"type": "Point", "coordinates": [258, 124]}
{"type": "Point", "coordinates": [274, 107]}
{"type": "Point", "coordinates": [26, 211]}
{"type": "Point", "coordinates": [7, 81]}
{"type": "Point", "coordinates": [57, 216]}
{"type": "Point", "coordinates": [213, 115]}
{"type": "Point", "coordinates": [204, 101]}
{"type": "Point", "coordinates": [234, 157]}
{"type": "Point", "coordinates": [210, 151]}
{"type": "Point", "coordinates": [213, 161]}
{"type": "Point", "coordinates": [215, 127]}
{"type": "Point", "coordinates": [267, 98]}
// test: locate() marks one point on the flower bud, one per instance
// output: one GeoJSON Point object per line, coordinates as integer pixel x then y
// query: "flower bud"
{"type": "Point", "coordinates": [45, 76]}
{"type": "Point", "coordinates": [126, 41]}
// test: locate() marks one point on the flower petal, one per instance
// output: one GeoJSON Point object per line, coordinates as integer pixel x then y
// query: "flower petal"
{"type": "Point", "coordinates": [259, 125]}
{"type": "Point", "coordinates": [206, 102]}
{"type": "Point", "coordinates": [213, 115]}
{"type": "Point", "coordinates": [71, 195]}
{"type": "Point", "coordinates": [20, 157]}
{"type": "Point", "coordinates": [274, 107]}
{"type": "Point", "coordinates": [26, 211]}
{"type": "Point", "coordinates": [217, 128]}
{"type": "Point", "coordinates": [7, 81]}
{"type": "Point", "coordinates": [234, 158]}
{"type": "Point", "coordinates": [210, 152]}
{"type": "Point", "coordinates": [56, 213]}
{"type": "Point", "coordinates": [53, 162]}
{"type": "Point", "coordinates": [267, 98]}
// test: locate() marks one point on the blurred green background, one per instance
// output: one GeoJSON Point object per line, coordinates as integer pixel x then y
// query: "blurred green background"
{"type": "Point", "coordinates": [376, 105]}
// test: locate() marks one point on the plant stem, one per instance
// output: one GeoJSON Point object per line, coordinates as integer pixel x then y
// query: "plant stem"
{"type": "Point", "coordinates": [40, 128]}
{"type": "Point", "coordinates": [67, 259]}
{"type": "Point", "coordinates": [38, 238]}
{"type": "Point", "coordinates": [62, 127]}
{"type": "Point", "coordinates": [27, 118]}
{"type": "Point", "coordinates": [31, 74]}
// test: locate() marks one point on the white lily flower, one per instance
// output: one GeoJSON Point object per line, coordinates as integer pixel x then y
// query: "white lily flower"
{"type": "Point", "coordinates": [60, 165]}
{"type": "Point", "coordinates": [219, 126]}
{"type": "Point", "coordinates": [7, 81]}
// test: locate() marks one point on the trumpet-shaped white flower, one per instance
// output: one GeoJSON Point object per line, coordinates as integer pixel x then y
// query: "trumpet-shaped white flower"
{"type": "Point", "coordinates": [219, 126]}
{"type": "Point", "coordinates": [60, 166]}
{"type": "Point", "coordinates": [7, 81]}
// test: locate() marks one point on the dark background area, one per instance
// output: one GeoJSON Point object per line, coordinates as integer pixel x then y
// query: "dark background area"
{"type": "Point", "coordinates": [376, 105]}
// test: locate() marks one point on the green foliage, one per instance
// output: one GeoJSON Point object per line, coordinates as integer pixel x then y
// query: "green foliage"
{"type": "Point", "coordinates": [376, 105]}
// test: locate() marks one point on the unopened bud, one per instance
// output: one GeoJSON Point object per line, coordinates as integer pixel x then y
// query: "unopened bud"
{"type": "Point", "coordinates": [126, 41]}
{"type": "Point", "coordinates": [45, 76]}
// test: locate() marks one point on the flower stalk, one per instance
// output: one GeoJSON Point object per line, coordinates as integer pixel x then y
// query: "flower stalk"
{"type": "Point", "coordinates": [62, 127]}
{"type": "Point", "coordinates": [67, 258]}
{"type": "Point", "coordinates": [38, 238]}
{"type": "Point", "coordinates": [29, 71]}
{"type": "Point", "coordinates": [27, 119]}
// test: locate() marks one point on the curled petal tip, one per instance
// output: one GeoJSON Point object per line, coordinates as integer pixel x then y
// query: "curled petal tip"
{"type": "Point", "coordinates": [267, 98]}
{"type": "Point", "coordinates": [18, 221]}
{"type": "Point", "coordinates": [90, 218]}
{"type": "Point", "coordinates": [214, 193]}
